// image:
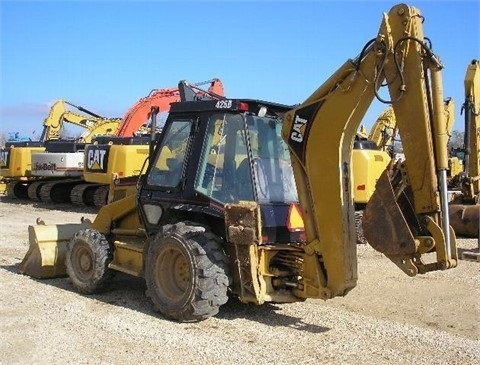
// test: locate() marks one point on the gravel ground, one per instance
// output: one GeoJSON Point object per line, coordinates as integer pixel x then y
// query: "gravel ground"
{"type": "Point", "coordinates": [389, 318]}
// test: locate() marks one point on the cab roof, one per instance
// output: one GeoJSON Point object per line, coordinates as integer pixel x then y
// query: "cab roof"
{"type": "Point", "coordinates": [252, 105]}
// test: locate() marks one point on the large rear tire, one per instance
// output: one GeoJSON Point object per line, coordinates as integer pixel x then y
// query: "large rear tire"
{"type": "Point", "coordinates": [87, 258]}
{"type": "Point", "coordinates": [186, 273]}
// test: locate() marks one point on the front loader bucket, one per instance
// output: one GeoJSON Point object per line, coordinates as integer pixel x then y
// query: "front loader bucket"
{"type": "Point", "coordinates": [48, 244]}
{"type": "Point", "coordinates": [465, 219]}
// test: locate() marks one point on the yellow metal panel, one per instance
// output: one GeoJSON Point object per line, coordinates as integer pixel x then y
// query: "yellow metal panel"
{"type": "Point", "coordinates": [20, 162]}
{"type": "Point", "coordinates": [128, 257]}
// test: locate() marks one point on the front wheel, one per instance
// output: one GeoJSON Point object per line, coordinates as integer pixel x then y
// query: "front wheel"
{"type": "Point", "coordinates": [87, 258]}
{"type": "Point", "coordinates": [186, 273]}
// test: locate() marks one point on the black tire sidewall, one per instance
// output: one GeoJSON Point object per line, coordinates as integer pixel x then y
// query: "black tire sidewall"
{"type": "Point", "coordinates": [100, 253]}
{"type": "Point", "coordinates": [208, 284]}
{"type": "Point", "coordinates": [164, 243]}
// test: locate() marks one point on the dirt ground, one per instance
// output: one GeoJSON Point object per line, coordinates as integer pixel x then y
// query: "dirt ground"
{"type": "Point", "coordinates": [389, 318]}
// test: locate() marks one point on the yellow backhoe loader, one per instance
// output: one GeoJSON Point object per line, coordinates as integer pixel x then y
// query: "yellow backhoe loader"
{"type": "Point", "coordinates": [217, 211]}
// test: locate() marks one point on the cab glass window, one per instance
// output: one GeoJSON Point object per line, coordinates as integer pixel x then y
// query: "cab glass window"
{"type": "Point", "coordinates": [224, 153]}
{"type": "Point", "coordinates": [229, 173]}
{"type": "Point", "coordinates": [274, 179]}
{"type": "Point", "coordinates": [168, 165]}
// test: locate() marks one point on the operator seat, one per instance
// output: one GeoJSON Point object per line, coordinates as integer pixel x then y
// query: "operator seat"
{"type": "Point", "coordinates": [243, 183]}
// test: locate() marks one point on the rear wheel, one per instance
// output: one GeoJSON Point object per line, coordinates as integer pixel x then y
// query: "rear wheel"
{"type": "Point", "coordinates": [186, 273]}
{"type": "Point", "coordinates": [87, 259]}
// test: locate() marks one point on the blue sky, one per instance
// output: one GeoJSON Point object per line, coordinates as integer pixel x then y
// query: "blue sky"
{"type": "Point", "coordinates": [105, 55]}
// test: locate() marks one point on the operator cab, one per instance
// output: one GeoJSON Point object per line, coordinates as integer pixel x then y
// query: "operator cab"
{"type": "Point", "coordinates": [216, 152]}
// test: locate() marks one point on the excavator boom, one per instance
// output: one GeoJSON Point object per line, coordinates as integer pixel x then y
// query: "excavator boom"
{"type": "Point", "coordinates": [58, 115]}
{"type": "Point", "coordinates": [139, 113]}
{"type": "Point", "coordinates": [383, 130]}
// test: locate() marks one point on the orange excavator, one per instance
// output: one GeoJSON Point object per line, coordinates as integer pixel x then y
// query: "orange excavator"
{"type": "Point", "coordinates": [139, 113]}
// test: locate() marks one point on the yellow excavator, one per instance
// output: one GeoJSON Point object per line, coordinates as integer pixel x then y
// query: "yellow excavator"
{"type": "Point", "coordinates": [455, 159]}
{"type": "Point", "coordinates": [93, 123]}
{"type": "Point", "coordinates": [465, 205]}
{"type": "Point", "coordinates": [384, 130]}
{"type": "Point", "coordinates": [371, 154]}
{"type": "Point", "coordinates": [217, 213]}
{"type": "Point", "coordinates": [26, 165]}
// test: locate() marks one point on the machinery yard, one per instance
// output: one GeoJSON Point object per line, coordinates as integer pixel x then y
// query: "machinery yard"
{"type": "Point", "coordinates": [389, 318]}
{"type": "Point", "coordinates": [232, 231]}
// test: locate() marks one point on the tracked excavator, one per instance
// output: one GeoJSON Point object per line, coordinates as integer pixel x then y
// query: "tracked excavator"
{"type": "Point", "coordinates": [23, 163]}
{"type": "Point", "coordinates": [60, 167]}
{"type": "Point", "coordinates": [220, 217]}
{"type": "Point", "coordinates": [465, 205]}
{"type": "Point", "coordinates": [372, 153]}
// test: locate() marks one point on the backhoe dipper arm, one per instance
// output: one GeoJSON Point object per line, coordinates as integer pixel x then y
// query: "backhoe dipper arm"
{"type": "Point", "coordinates": [406, 216]}
{"type": "Point", "coordinates": [191, 92]}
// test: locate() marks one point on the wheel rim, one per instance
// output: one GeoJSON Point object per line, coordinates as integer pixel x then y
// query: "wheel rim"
{"type": "Point", "coordinates": [173, 276]}
{"type": "Point", "coordinates": [83, 261]}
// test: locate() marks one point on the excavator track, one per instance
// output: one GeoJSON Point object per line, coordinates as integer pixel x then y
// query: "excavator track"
{"type": "Point", "coordinates": [100, 196]}
{"type": "Point", "coordinates": [33, 190]}
{"type": "Point", "coordinates": [77, 194]}
{"type": "Point", "coordinates": [45, 191]}
{"type": "Point", "coordinates": [17, 189]}
{"type": "Point", "coordinates": [84, 194]}
{"type": "Point", "coordinates": [361, 240]}
{"type": "Point", "coordinates": [57, 191]}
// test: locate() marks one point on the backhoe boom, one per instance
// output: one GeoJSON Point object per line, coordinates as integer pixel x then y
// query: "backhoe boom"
{"type": "Point", "coordinates": [407, 214]}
